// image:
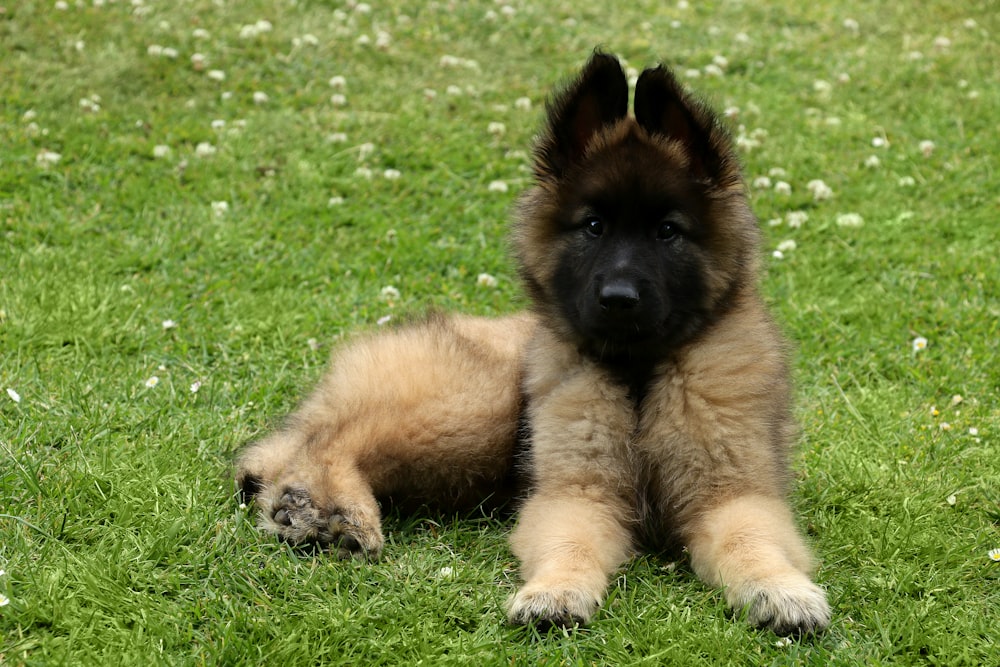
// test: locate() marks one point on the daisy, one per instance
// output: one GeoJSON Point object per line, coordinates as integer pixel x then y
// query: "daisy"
{"type": "Point", "coordinates": [152, 382]}
{"type": "Point", "coordinates": [994, 555]}
{"type": "Point", "coordinates": [919, 343]}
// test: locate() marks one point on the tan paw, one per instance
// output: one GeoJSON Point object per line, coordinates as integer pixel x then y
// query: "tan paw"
{"type": "Point", "coordinates": [544, 607]}
{"type": "Point", "coordinates": [293, 516]}
{"type": "Point", "coordinates": [791, 605]}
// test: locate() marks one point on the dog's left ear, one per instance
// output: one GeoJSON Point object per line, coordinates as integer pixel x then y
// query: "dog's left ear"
{"type": "Point", "coordinates": [662, 107]}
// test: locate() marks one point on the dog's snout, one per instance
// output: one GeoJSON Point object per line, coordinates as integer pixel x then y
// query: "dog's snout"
{"type": "Point", "coordinates": [618, 296]}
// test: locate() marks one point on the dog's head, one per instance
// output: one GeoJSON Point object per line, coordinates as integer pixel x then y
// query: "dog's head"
{"type": "Point", "coordinates": [637, 233]}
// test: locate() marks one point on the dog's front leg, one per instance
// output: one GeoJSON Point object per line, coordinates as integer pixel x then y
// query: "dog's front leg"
{"type": "Point", "coordinates": [574, 530]}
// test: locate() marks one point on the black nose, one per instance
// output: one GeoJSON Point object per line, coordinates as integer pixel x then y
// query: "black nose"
{"type": "Point", "coordinates": [618, 295]}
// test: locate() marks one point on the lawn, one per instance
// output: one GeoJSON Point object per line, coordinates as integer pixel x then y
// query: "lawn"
{"type": "Point", "coordinates": [199, 199]}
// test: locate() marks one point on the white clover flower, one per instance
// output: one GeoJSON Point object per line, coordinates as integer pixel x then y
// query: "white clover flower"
{"type": "Point", "coordinates": [906, 182]}
{"type": "Point", "coordinates": [486, 280]}
{"type": "Point", "coordinates": [919, 343]}
{"type": "Point", "coordinates": [741, 38]}
{"type": "Point", "coordinates": [62, 5]}
{"type": "Point", "coordinates": [994, 555]}
{"type": "Point", "coordinates": [777, 172]}
{"type": "Point", "coordinates": [198, 61]}
{"type": "Point", "coordinates": [29, 115]}
{"type": "Point", "coordinates": [216, 75]}
{"type": "Point", "coordinates": [152, 382]}
{"type": "Point", "coordinates": [204, 149]}
{"type": "Point", "coordinates": [720, 61]}
{"type": "Point", "coordinates": [338, 82]}
{"type": "Point", "coordinates": [496, 128]}
{"type": "Point", "coordinates": [970, 24]}
{"type": "Point", "coordinates": [762, 182]}
{"type": "Point", "coordinates": [523, 104]}
{"type": "Point", "coordinates": [713, 70]}
{"type": "Point", "coordinates": [170, 52]}
{"type": "Point", "coordinates": [430, 93]}
{"type": "Point", "coordinates": [951, 500]}
{"type": "Point", "coordinates": [260, 97]}
{"type": "Point", "coordinates": [154, 50]}
{"type": "Point", "coordinates": [363, 8]}
{"type": "Point", "coordinates": [832, 121]}
{"type": "Point", "coordinates": [364, 172]}
{"type": "Point", "coordinates": [14, 396]}
{"type": "Point", "coordinates": [942, 42]}
{"type": "Point", "coordinates": [334, 201]}
{"type": "Point", "coordinates": [692, 73]}
{"type": "Point", "coordinates": [363, 40]}
{"type": "Point", "coordinates": [365, 149]}
{"type": "Point", "coordinates": [849, 220]}
{"type": "Point", "coordinates": [382, 40]}
{"type": "Point", "coordinates": [391, 174]}
{"type": "Point", "coordinates": [822, 87]}
{"type": "Point", "coordinates": [796, 219]}
{"type": "Point", "coordinates": [973, 431]}
{"type": "Point", "coordinates": [168, 324]}
{"type": "Point", "coordinates": [784, 642]}
{"type": "Point", "coordinates": [879, 142]}
{"type": "Point", "coordinates": [774, 222]}
{"type": "Point", "coordinates": [338, 99]}
{"type": "Point", "coordinates": [872, 161]}
{"type": "Point", "coordinates": [263, 26]}
{"type": "Point", "coordinates": [336, 137]}
{"type": "Point", "coordinates": [497, 186]}
{"type": "Point", "coordinates": [453, 90]}
{"type": "Point", "coordinates": [389, 292]}
{"type": "Point", "coordinates": [782, 188]}
{"type": "Point", "coordinates": [200, 33]}
{"type": "Point", "coordinates": [446, 572]}
{"type": "Point", "coordinates": [161, 151]}
{"type": "Point", "coordinates": [819, 189]}
{"type": "Point", "coordinates": [787, 245]}
{"type": "Point", "coordinates": [851, 25]}
{"type": "Point", "coordinates": [195, 386]}
{"type": "Point", "coordinates": [220, 208]}
{"type": "Point", "coordinates": [777, 254]}
{"type": "Point", "coordinates": [47, 158]}
{"type": "Point", "coordinates": [927, 147]}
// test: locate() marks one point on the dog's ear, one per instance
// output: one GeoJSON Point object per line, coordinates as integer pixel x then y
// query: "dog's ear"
{"type": "Point", "coordinates": [662, 107]}
{"type": "Point", "coordinates": [596, 99]}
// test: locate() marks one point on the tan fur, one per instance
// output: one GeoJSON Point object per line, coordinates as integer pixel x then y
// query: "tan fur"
{"type": "Point", "coordinates": [427, 412]}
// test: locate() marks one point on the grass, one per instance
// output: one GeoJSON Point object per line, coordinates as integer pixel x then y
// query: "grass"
{"type": "Point", "coordinates": [120, 538]}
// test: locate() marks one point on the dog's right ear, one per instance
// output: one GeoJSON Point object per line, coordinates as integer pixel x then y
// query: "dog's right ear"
{"type": "Point", "coordinates": [596, 99]}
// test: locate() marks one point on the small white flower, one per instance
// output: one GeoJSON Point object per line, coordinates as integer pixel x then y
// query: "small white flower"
{"type": "Point", "coordinates": [973, 431]}
{"type": "Point", "coordinates": [152, 382]}
{"type": "Point", "coordinates": [218, 124]}
{"type": "Point", "coordinates": [154, 50]}
{"type": "Point", "coordinates": [692, 73]}
{"type": "Point", "coordinates": [942, 42]}
{"type": "Point", "coordinates": [497, 186]}
{"type": "Point", "coordinates": [336, 137]}
{"type": "Point", "coordinates": [796, 219]}
{"type": "Point", "coordinates": [14, 396]}
{"type": "Point", "coordinates": [486, 280]}
{"type": "Point", "coordinates": [363, 8]}
{"type": "Point", "coordinates": [263, 26]}
{"type": "Point", "coordinates": [944, 426]}
{"type": "Point", "coordinates": [777, 254]}
{"type": "Point", "coordinates": [195, 386]}
{"type": "Point", "coordinates": [170, 52]}
{"type": "Point", "coordinates": [453, 90]}
{"type": "Point", "coordinates": [391, 174]}
{"type": "Point", "coordinates": [216, 75]}
{"type": "Point", "coordinates": [334, 201]}
{"type": "Point", "coordinates": [382, 40]}
{"type": "Point", "coordinates": [720, 61]}
{"type": "Point", "coordinates": [496, 128]}
{"type": "Point", "coordinates": [365, 149]}
{"type": "Point", "coordinates": [777, 172]}
{"type": "Point", "coordinates": [363, 172]}
{"type": "Point", "coordinates": [926, 147]}
{"type": "Point", "coordinates": [363, 40]}
{"type": "Point", "coordinates": [741, 38]}
{"type": "Point", "coordinates": [389, 292]}
{"type": "Point", "coordinates": [338, 99]}
{"type": "Point", "coordinates": [523, 104]}
{"type": "Point", "coordinates": [787, 245]}
{"type": "Point", "coordinates": [204, 149]}
{"type": "Point", "coordinates": [382, 321]}
{"type": "Point", "coordinates": [784, 642]}
{"type": "Point", "coordinates": [220, 208]}
{"type": "Point", "coordinates": [446, 572]}
{"type": "Point", "coordinates": [822, 88]}
{"type": "Point", "coordinates": [260, 97]}
{"type": "Point", "coordinates": [851, 25]}
{"type": "Point", "coordinates": [872, 161]}
{"type": "Point", "coordinates": [849, 220]}
{"type": "Point", "coordinates": [310, 39]}
{"type": "Point", "coordinates": [782, 188]}
{"type": "Point", "coordinates": [879, 142]}
{"type": "Point", "coordinates": [168, 324]}
{"type": "Point", "coordinates": [200, 33]}
{"type": "Point", "coordinates": [713, 70]}
{"type": "Point", "coordinates": [47, 158]}
{"type": "Point", "coordinates": [29, 115]}
{"type": "Point", "coordinates": [338, 82]}
{"type": "Point", "coordinates": [919, 343]}
{"type": "Point", "coordinates": [774, 222]}
{"type": "Point", "coordinates": [198, 61]}
{"type": "Point", "coordinates": [4, 600]}
{"type": "Point", "coordinates": [906, 181]}
{"type": "Point", "coordinates": [161, 151]}
{"type": "Point", "coordinates": [994, 555]}
{"type": "Point", "coordinates": [762, 182]}
{"type": "Point", "coordinates": [819, 189]}
{"type": "Point", "coordinates": [951, 500]}
{"type": "Point", "coordinates": [956, 399]}
{"type": "Point", "coordinates": [62, 5]}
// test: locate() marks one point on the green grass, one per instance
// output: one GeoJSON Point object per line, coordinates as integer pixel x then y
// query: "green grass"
{"type": "Point", "coordinates": [120, 539]}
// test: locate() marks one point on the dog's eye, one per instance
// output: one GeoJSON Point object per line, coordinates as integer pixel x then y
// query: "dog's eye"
{"type": "Point", "coordinates": [594, 227]}
{"type": "Point", "coordinates": [666, 232]}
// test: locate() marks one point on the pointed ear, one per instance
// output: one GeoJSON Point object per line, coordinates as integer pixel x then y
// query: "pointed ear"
{"type": "Point", "coordinates": [662, 107]}
{"type": "Point", "coordinates": [596, 99]}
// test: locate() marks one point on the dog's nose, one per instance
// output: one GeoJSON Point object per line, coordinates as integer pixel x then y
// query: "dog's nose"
{"type": "Point", "coordinates": [618, 296]}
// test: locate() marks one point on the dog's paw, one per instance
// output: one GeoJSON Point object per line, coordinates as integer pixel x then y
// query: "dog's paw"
{"type": "Point", "coordinates": [792, 607]}
{"type": "Point", "coordinates": [547, 607]}
{"type": "Point", "coordinates": [293, 516]}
